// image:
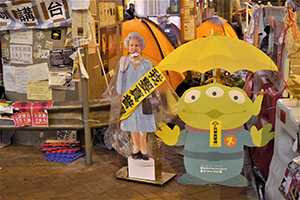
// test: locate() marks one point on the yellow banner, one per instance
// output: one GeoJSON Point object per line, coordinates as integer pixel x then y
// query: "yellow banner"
{"type": "Point", "coordinates": [215, 138]}
{"type": "Point", "coordinates": [138, 92]}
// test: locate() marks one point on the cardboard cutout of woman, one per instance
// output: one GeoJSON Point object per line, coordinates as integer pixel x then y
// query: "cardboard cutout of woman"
{"type": "Point", "coordinates": [132, 69]}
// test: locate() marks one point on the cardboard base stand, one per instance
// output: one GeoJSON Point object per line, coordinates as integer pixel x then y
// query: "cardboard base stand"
{"type": "Point", "coordinates": [146, 171]}
{"type": "Point", "coordinates": [161, 179]}
{"type": "Point", "coordinates": [142, 169]}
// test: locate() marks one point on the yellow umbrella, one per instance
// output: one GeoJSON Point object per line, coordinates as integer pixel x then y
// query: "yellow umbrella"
{"type": "Point", "coordinates": [213, 52]}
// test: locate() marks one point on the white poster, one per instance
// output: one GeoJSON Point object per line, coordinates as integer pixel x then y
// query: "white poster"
{"type": "Point", "coordinates": [9, 78]}
{"type": "Point", "coordinates": [22, 75]}
{"type": "Point", "coordinates": [39, 72]}
{"type": "Point", "coordinates": [21, 54]}
{"type": "Point", "coordinates": [62, 80]}
{"type": "Point", "coordinates": [21, 36]}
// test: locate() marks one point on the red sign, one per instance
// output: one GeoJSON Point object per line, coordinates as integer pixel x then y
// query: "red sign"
{"type": "Point", "coordinates": [282, 116]}
{"type": "Point", "coordinates": [31, 113]}
{"type": "Point", "coordinates": [40, 114]}
{"type": "Point", "coordinates": [23, 117]}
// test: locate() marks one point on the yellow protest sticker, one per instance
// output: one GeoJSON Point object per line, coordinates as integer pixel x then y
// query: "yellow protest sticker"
{"type": "Point", "coordinates": [4, 104]}
{"type": "Point", "coordinates": [215, 134]}
{"type": "Point", "coordinates": [140, 90]}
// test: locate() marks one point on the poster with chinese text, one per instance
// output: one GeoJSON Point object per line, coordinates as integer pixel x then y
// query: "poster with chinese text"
{"type": "Point", "coordinates": [40, 113]}
{"type": "Point", "coordinates": [23, 116]}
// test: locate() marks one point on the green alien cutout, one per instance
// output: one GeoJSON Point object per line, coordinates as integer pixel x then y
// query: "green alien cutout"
{"type": "Point", "coordinates": [214, 134]}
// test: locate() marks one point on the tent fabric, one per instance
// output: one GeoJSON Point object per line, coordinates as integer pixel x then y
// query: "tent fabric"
{"type": "Point", "coordinates": [172, 31]}
{"type": "Point", "coordinates": [217, 24]}
{"type": "Point", "coordinates": [216, 20]}
{"type": "Point", "coordinates": [174, 78]}
{"type": "Point", "coordinates": [158, 45]}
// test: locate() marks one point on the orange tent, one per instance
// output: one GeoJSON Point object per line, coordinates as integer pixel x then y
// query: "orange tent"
{"type": "Point", "coordinates": [217, 24]}
{"type": "Point", "coordinates": [158, 45]}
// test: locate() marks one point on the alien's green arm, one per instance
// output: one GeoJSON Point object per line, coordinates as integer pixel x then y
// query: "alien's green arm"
{"type": "Point", "coordinates": [181, 138]}
{"type": "Point", "coordinates": [263, 136]}
{"type": "Point", "coordinates": [169, 136]}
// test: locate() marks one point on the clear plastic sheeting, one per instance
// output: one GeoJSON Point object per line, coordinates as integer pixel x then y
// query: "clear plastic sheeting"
{"type": "Point", "coordinates": [135, 135]}
{"type": "Point", "coordinates": [5, 138]}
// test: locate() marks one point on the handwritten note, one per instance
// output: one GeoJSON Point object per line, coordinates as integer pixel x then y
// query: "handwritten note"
{"type": "Point", "coordinates": [21, 54]}
{"type": "Point", "coordinates": [9, 78]}
{"type": "Point", "coordinates": [21, 36]}
{"type": "Point", "coordinates": [38, 90]}
{"type": "Point", "coordinates": [22, 75]}
{"type": "Point", "coordinates": [39, 72]}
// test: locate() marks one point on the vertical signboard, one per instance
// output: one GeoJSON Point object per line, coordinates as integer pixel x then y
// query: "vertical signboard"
{"type": "Point", "coordinates": [188, 19]}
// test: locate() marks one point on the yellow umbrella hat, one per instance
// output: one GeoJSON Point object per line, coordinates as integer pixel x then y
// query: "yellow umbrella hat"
{"type": "Point", "coordinates": [222, 52]}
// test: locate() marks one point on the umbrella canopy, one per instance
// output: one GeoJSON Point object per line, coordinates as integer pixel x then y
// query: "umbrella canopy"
{"type": "Point", "coordinates": [217, 24]}
{"type": "Point", "coordinates": [214, 52]}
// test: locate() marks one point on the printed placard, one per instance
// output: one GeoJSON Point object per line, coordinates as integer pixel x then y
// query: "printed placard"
{"type": "Point", "coordinates": [68, 135]}
{"type": "Point", "coordinates": [40, 114]}
{"type": "Point", "coordinates": [55, 11]}
{"type": "Point", "coordinates": [60, 58]}
{"type": "Point", "coordinates": [21, 54]}
{"type": "Point", "coordinates": [215, 138]}
{"type": "Point", "coordinates": [25, 13]}
{"type": "Point", "coordinates": [23, 116]}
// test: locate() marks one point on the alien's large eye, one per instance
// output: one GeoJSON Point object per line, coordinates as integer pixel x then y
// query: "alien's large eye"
{"type": "Point", "coordinates": [192, 96]}
{"type": "Point", "coordinates": [214, 92]}
{"type": "Point", "coordinates": [236, 96]}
